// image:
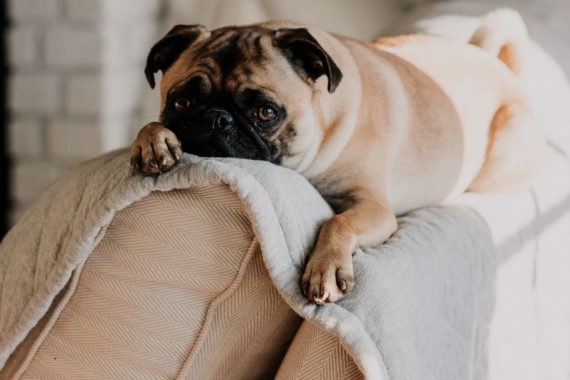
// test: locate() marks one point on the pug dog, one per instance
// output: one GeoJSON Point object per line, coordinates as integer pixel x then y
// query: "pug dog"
{"type": "Point", "coordinates": [378, 128]}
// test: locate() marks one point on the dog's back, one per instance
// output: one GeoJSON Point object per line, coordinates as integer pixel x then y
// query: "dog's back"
{"type": "Point", "coordinates": [476, 79]}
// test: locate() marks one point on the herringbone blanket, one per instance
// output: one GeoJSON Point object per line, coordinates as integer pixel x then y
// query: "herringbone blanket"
{"type": "Point", "coordinates": [421, 302]}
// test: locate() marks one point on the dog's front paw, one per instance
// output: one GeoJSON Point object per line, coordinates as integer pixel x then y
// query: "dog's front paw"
{"type": "Point", "coordinates": [327, 277]}
{"type": "Point", "coordinates": [155, 150]}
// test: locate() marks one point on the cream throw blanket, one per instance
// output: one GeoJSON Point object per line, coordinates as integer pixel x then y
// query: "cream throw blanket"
{"type": "Point", "coordinates": [419, 308]}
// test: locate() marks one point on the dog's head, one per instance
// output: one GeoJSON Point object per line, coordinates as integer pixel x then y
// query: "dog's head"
{"type": "Point", "coordinates": [245, 92]}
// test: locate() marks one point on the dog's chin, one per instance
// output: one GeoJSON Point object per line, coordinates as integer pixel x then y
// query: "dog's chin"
{"type": "Point", "coordinates": [207, 151]}
{"type": "Point", "coordinates": [222, 149]}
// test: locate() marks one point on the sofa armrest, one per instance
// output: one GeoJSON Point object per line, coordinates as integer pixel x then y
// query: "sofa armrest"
{"type": "Point", "coordinates": [176, 288]}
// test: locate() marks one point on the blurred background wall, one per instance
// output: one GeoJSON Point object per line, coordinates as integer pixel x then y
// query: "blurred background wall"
{"type": "Point", "coordinates": [76, 79]}
{"type": "Point", "coordinates": [4, 159]}
{"type": "Point", "coordinates": [76, 86]}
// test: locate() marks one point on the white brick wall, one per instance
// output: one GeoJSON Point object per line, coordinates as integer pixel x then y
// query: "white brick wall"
{"type": "Point", "coordinates": [67, 139]}
{"type": "Point", "coordinates": [35, 93]}
{"type": "Point", "coordinates": [120, 11]}
{"type": "Point", "coordinates": [84, 10]}
{"type": "Point", "coordinates": [31, 176]}
{"type": "Point", "coordinates": [73, 47]}
{"type": "Point", "coordinates": [82, 95]}
{"type": "Point", "coordinates": [41, 11]}
{"type": "Point", "coordinates": [76, 80]}
{"type": "Point", "coordinates": [26, 138]}
{"type": "Point", "coordinates": [126, 46]}
{"type": "Point", "coordinates": [23, 43]}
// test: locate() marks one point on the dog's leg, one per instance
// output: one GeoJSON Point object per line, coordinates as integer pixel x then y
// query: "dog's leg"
{"type": "Point", "coordinates": [328, 274]}
{"type": "Point", "coordinates": [515, 151]}
{"type": "Point", "coordinates": [155, 150]}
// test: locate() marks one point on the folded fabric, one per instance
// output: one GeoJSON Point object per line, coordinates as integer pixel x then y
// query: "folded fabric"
{"type": "Point", "coordinates": [434, 276]}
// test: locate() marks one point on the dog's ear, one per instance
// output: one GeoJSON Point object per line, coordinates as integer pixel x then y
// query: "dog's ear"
{"type": "Point", "coordinates": [307, 56]}
{"type": "Point", "coordinates": [168, 49]}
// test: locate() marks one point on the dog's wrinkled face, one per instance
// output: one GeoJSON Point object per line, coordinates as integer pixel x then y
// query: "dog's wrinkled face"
{"type": "Point", "coordinates": [241, 91]}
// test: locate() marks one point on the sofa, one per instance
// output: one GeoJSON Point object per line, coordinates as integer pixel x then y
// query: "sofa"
{"type": "Point", "coordinates": [195, 275]}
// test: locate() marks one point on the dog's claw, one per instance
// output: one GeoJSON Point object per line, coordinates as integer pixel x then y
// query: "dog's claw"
{"type": "Point", "coordinates": [305, 288]}
{"type": "Point", "coordinates": [136, 163]}
{"type": "Point", "coordinates": [318, 301]}
{"type": "Point", "coordinates": [342, 285]}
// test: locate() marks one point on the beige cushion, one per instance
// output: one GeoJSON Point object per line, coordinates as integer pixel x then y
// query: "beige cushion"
{"type": "Point", "coordinates": [316, 354]}
{"type": "Point", "coordinates": [176, 289]}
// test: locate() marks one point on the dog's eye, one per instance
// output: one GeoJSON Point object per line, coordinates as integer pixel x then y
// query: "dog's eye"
{"type": "Point", "coordinates": [266, 114]}
{"type": "Point", "coordinates": [181, 104]}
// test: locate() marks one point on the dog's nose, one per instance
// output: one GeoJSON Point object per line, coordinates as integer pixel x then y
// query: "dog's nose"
{"type": "Point", "coordinates": [218, 118]}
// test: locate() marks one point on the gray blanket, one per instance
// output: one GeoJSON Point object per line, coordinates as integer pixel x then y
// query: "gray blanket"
{"type": "Point", "coordinates": [419, 308]}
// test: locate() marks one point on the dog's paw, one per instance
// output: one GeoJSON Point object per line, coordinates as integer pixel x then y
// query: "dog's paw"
{"type": "Point", "coordinates": [327, 278]}
{"type": "Point", "coordinates": [155, 150]}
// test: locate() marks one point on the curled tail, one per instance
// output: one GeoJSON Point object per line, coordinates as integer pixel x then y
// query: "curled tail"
{"type": "Point", "coordinates": [503, 34]}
